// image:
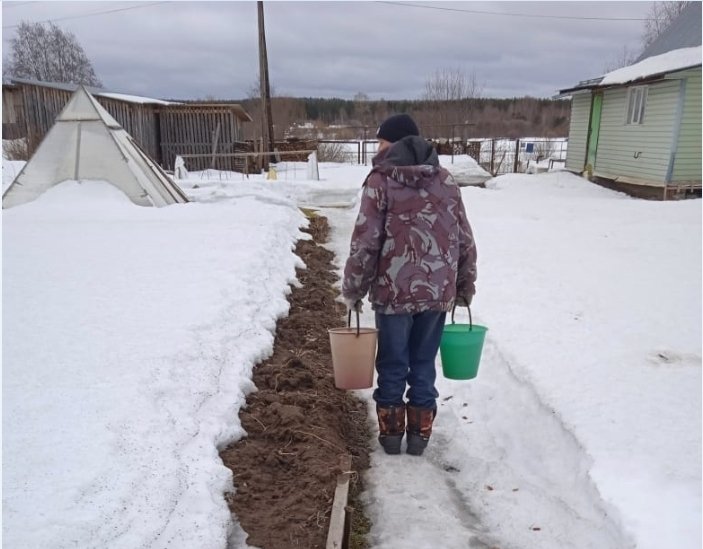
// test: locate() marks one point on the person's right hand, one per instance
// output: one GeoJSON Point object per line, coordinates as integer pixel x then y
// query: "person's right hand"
{"type": "Point", "coordinates": [464, 300]}
{"type": "Point", "coordinates": [353, 305]}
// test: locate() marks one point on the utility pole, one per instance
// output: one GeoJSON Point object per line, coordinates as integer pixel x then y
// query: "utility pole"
{"type": "Point", "coordinates": [267, 121]}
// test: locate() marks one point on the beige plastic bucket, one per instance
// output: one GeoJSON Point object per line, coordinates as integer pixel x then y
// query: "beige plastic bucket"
{"type": "Point", "coordinates": [353, 356]}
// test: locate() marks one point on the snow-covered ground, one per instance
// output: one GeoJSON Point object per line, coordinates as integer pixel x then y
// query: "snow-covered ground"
{"type": "Point", "coordinates": [464, 169]}
{"type": "Point", "coordinates": [10, 170]}
{"type": "Point", "coordinates": [129, 334]}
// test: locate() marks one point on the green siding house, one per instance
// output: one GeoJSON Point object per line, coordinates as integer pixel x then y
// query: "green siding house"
{"type": "Point", "coordinates": [638, 128]}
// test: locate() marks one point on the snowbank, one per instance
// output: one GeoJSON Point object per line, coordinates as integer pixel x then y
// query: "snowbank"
{"type": "Point", "coordinates": [128, 342]}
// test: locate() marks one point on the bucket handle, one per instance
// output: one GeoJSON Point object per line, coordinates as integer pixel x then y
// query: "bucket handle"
{"type": "Point", "coordinates": [357, 322]}
{"type": "Point", "coordinates": [471, 324]}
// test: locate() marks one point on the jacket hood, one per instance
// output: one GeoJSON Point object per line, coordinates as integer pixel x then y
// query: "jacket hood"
{"type": "Point", "coordinates": [411, 161]}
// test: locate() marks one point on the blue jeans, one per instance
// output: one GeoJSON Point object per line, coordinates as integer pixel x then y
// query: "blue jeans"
{"type": "Point", "coordinates": [407, 348]}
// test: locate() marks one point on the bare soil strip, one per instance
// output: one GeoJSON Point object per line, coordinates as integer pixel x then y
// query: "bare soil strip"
{"type": "Point", "coordinates": [298, 423]}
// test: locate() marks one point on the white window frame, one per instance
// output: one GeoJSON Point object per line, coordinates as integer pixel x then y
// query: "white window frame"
{"type": "Point", "coordinates": [636, 103]}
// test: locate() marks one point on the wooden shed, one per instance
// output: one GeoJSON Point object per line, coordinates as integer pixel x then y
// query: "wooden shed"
{"type": "Point", "coordinates": [638, 128]}
{"type": "Point", "coordinates": [163, 129]}
{"type": "Point", "coordinates": [12, 112]}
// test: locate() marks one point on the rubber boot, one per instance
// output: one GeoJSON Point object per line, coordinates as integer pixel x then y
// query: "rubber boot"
{"type": "Point", "coordinates": [391, 427]}
{"type": "Point", "coordinates": [419, 429]}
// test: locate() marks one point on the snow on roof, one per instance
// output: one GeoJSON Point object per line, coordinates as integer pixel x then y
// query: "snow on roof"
{"type": "Point", "coordinates": [135, 98]}
{"type": "Point", "coordinates": [58, 85]}
{"type": "Point", "coordinates": [667, 62]}
{"type": "Point", "coordinates": [94, 91]}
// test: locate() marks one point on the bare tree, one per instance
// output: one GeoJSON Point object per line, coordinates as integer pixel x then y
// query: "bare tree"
{"type": "Point", "coordinates": [451, 94]}
{"type": "Point", "coordinates": [625, 57]}
{"type": "Point", "coordinates": [254, 95]}
{"type": "Point", "coordinates": [49, 54]}
{"type": "Point", "coordinates": [15, 149]}
{"type": "Point", "coordinates": [362, 108]}
{"type": "Point", "coordinates": [332, 152]}
{"type": "Point", "coordinates": [254, 89]}
{"type": "Point", "coordinates": [660, 16]}
{"type": "Point", "coordinates": [452, 85]}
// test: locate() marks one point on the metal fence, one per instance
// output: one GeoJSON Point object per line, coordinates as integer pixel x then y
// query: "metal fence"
{"type": "Point", "coordinates": [347, 151]}
{"type": "Point", "coordinates": [495, 155]}
{"type": "Point", "coordinates": [498, 156]}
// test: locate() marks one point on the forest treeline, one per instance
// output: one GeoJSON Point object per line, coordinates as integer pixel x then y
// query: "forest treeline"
{"type": "Point", "coordinates": [475, 117]}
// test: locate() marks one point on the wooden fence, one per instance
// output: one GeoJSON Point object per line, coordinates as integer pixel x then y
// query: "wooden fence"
{"type": "Point", "coordinates": [200, 130]}
{"type": "Point", "coordinates": [163, 131]}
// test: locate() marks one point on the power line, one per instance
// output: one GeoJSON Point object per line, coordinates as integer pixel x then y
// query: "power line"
{"type": "Point", "coordinates": [9, 5]}
{"type": "Point", "coordinates": [538, 16]}
{"type": "Point", "coordinates": [91, 14]}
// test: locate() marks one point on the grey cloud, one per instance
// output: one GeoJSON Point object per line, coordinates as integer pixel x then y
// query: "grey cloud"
{"type": "Point", "coordinates": [194, 49]}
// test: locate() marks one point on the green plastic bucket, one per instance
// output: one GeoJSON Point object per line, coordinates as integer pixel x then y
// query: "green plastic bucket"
{"type": "Point", "coordinates": [460, 349]}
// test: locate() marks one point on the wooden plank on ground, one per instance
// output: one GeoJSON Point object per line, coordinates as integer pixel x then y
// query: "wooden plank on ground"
{"type": "Point", "coordinates": [336, 532]}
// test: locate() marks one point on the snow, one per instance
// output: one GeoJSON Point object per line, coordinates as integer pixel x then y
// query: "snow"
{"type": "Point", "coordinates": [585, 420]}
{"type": "Point", "coordinates": [658, 64]}
{"type": "Point", "coordinates": [465, 169]}
{"type": "Point", "coordinates": [129, 338]}
{"type": "Point", "coordinates": [605, 324]}
{"type": "Point", "coordinates": [10, 170]}
{"type": "Point", "coordinates": [128, 346]}
{"type": "Point", "coordinates": [135, 98]}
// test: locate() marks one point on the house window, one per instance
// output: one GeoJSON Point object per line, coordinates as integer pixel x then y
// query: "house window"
{"type": "Point", "coordinates": [636, 101]}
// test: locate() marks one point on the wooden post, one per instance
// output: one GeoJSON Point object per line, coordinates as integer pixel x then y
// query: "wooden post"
{"type": "Point", "coordinates": [263, 159]}
{"type": "Point", "coordinates": [337, 531]}
{"type": "Point", "coordinates": [493, 154]}
{"type": "Point", "coordinates": [215, 139]}
{"type": "Point", "coordinates": [234, 137]}
{"type": "Point", "coordinates": [157, 137]}
{"type": "Point", "coordinates": [517, 155]}
{"type": "Point", "coordinates": [267, 134]}
{"type": "Point", "coordinates": [349, 516]}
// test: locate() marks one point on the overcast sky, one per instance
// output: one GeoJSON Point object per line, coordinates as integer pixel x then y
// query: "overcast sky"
{"type": "Point", "coordinates": [185, 50]}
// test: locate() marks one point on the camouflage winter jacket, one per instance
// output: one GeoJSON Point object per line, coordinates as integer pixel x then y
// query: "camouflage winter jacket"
{"type": "Point", "coordinates": [412, 248]}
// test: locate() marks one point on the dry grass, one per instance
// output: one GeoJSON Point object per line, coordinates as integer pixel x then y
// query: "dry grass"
{"type": "Point", "coordinates": [331, 152]}
{"type": "Point", "coordinates": [15, 149]}
{"type": "Point", "coordinates": [544, 149]}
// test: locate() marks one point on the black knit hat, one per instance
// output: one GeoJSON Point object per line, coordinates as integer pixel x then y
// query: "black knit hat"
{"type": "Point", "coordinates": [395, 127]}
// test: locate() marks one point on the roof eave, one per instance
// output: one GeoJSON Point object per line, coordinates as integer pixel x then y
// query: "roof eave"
{"type": "Point", "coordinates": [649, 78]}
{"type": "Point", "coordinates": [100, 92]}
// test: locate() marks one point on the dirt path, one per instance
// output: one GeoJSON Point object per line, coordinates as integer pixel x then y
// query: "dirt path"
{"type": "Point", "coordinates": [298, 423]}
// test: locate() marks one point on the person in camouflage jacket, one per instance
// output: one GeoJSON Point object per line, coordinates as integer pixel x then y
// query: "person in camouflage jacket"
{"type": "Point", "coordinates": [412, 250]}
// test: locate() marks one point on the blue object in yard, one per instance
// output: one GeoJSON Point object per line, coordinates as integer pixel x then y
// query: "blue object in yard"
{"type": "Point", "coordinates": [529, 147]}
